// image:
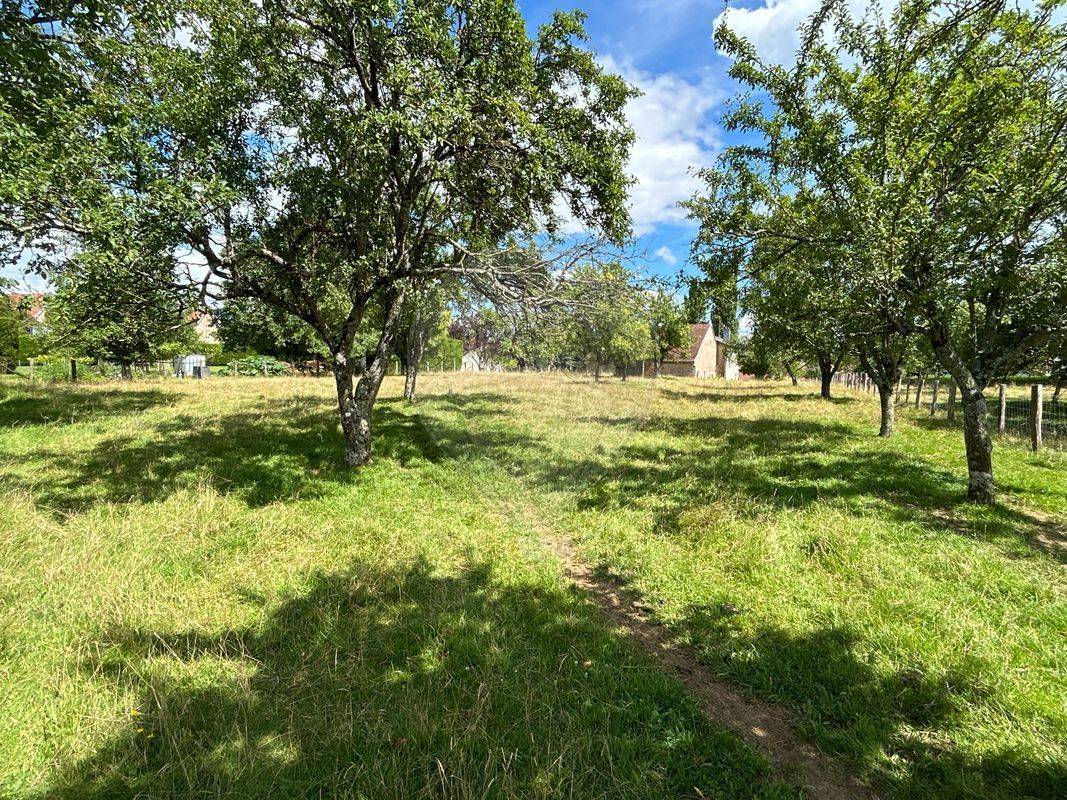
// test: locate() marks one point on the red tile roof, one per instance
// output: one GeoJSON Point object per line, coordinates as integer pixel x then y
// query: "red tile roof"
{"type": "Point", "coordinates": [697, 333]}
{"type": "Point", "coordinates": [32, 304]}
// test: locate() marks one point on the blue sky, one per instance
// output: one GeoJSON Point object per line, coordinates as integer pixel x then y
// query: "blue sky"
{"type": "Point", "coordinates": [665, 48]}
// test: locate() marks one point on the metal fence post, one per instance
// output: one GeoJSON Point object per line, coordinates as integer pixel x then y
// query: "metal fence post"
{"type": "Point", "coordinates": [1002, 411]}
{"type": "Point", "coordinates": [951, 411]}
{"type": "Point", "coordinates": [933, 397]}
{"type": "Point", "coordinates": [1036, 414]}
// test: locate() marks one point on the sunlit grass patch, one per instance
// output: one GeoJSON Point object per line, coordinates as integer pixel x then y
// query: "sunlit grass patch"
{"type": "Point", "coordinates": [823, 568]}
{"type": "Point", "coordinates": [192, 552]}
{"type": "Point", "coordinates": [196, 600]}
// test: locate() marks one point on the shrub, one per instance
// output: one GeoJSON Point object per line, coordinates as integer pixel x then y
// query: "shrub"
{"type": "Point", "coordinates": [261, 365]}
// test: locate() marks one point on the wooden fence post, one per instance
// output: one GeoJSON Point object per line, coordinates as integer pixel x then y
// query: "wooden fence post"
{"type": "Point", "coordinates": [74, 369]}
{"type": "Point", "coordinates": [1036, 413]}
{"type": "Point", "coordinates": [1002, 410]}
{"type": "Point", "coordinates": [31, 370]}
{"type": "Point", "coordinates": [951, 412]}
{"type": "Point", "coordinates": [933, 397]}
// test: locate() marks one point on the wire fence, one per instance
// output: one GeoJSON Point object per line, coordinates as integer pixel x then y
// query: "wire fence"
{"type": "Point", "coordinates": [1023, 412]}
{"type": "Point", "coordinates": [82, 369]}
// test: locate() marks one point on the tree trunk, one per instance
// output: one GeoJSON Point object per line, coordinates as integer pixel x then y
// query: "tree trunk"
{"type": "Point", "coordinates": [410, 376]}
{"type": "Point", "coordinates": [127, 371]}
{"type": "Point", "coordinates": [826, 375]}
{"type": "Point", "coordinates": [1056, 394]}
{"type": "Point", "coordinates": [656, 368]}
{"type": "Point", "coordinates": [596, 372]}
{"type": "Point", "coordinates": [356, 402]}
{"type": "Point", "coordinates": [980, 487]}
{"type": "Point", "coordinates": [827, 370]}
{"type": "Point", "coordinates": [887, 396]}
{"type": "Point", "coordinates": [881, 367]}
{"type": "Point", "coordinates": [418, 334]}
{"type": "Point", "coordinates": [355, 414]}
{"type": "Point", "coordinates": [976, 439]}
{"type": "Point", "coordinates": [789, 371]}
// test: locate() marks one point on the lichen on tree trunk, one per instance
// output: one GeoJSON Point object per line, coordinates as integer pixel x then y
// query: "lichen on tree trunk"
{"type": "Point", "coordinates": [355, 401]}
{"type": "Point", "coordinates": [355, 414]}
{"type": "Point", "coordinates": [411, 375]}
{"type": "Point", "coordinates": [887, 396]}
{"type": "Point", "coordinates": [979, 445]}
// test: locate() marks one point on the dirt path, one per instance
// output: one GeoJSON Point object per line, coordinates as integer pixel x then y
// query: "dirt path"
{"type": "Point", "coordinates": [766, 726]}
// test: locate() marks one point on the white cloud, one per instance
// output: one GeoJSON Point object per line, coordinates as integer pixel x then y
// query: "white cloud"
{"type": "Point", "coordinates": [772, 27]}
{"type": "Point", "coordinates": [674, 136]}
{"type": "Point", "coordinates": [664, 254]}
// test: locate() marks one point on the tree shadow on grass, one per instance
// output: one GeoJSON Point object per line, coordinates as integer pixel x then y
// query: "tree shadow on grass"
{"type": "Point", "coordinates": [756, 465]}
{"type": "Point", "coordinates": [756, 394]}
{"type": "Point", "coordinates": [404, 683]}
{"type": "Point", "coordinates": [285, 451]}
{"type": "Point", "coordinates": [775, 463]}
{"type": "Point", "coordinates": [472, 404]}
{"type": "Point", "coordinates": [898, 725]}
{"type": "Point", "coordinates": [61, 405]}
{"type": "Point", "coordinates": [273, 452]}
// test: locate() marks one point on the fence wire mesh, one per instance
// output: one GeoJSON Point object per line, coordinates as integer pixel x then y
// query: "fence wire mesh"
{"type": "Point", "coordinates": [1018, 405]}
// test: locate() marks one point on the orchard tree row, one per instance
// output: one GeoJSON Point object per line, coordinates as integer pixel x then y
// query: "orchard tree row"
{"type": "Point", "coordinates": [336, 161]}
{"type": "Point", "coordinates": [604, 315]}
{"type": "Point", "coordinates": [901, 197]}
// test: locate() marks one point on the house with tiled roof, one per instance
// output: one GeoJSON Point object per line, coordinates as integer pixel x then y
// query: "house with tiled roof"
{"type": "Point", "coordinates": [33, 306]}
{"type": "Point", "coordinates": [705, 356]}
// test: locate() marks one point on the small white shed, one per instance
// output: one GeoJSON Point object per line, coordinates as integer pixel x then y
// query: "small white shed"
{"type": "Point", "coordinates": [192, 365]}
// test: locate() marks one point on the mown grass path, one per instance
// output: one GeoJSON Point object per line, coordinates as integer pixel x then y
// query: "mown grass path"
{"type": "Point", "coordinates": [194, 599]}
{"type": "Point", "coordinates": [811, 564]}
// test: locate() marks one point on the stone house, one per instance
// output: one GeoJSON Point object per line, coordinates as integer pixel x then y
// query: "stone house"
{"type": "Point", "coordinates": [704, 357]}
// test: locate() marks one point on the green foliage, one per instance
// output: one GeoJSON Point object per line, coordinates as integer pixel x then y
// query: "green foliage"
{"type": "Point", "coordinates": [320, 137]}
{"type": "Point", "coordinates": [606, 318]}
{"type": "Point", "coordinates": [442, 349]}
{"type": "Point", "coordinates": [668, 326]}
{"type": "Point", "coordinates": [55, 367]}
{"type": "Point", "coordinates": [11, 333]}
{"type": "Point", "coordinates": [114, 301]}
{"type": "Point", "coordinates": [31, 345]}
{"type": "Point", "coordinates": [248, 324]}
{"type": "Point", "coordinates": [536, 337]}
{"type": "Point", "coordinates": [918, 161]}
{"type": "Point", "coordinates": [257, 365]}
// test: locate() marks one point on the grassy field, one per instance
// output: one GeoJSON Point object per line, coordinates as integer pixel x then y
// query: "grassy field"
{"type": "Point", "coordinates": [196, 601]}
